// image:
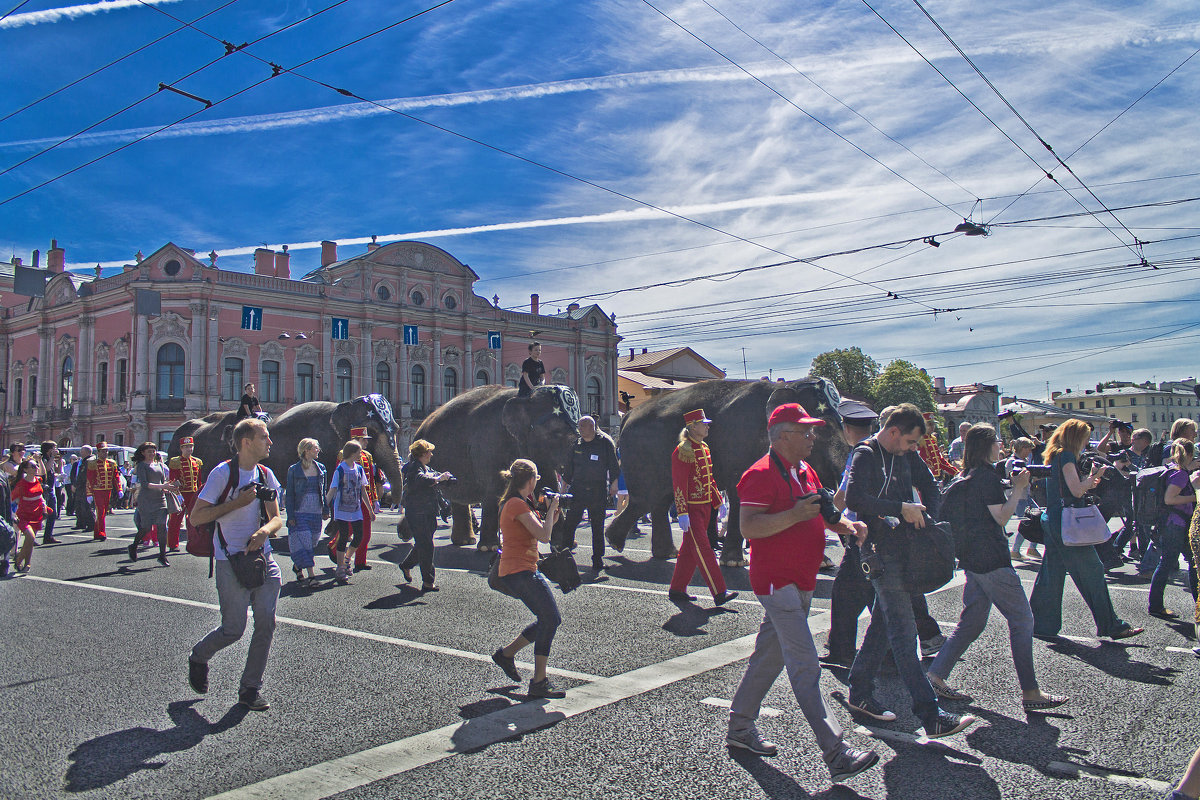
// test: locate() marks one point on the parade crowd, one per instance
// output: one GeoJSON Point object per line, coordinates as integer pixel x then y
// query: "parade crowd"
{"type": "Point", "coordinates": [898, 490]}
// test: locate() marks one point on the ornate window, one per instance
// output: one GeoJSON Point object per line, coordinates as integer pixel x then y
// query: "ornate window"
{"type": "Point", "coordinates": [231, 387]}
{"type": "Point", "coordinates": [269, 378]}
{"type": "Point", "coordinates": [345, 379]}
{"type": "Point", "coordinates": [171, 268]}
{"type": "Point", "coordinates": [102, 383]}
{"type": "Point", "coordinates": [481, 378]}
{"type": "Point", "coordinates": [305, 383]}
{"type": "Point", "coordinates": [383, 380]}
{"type": "Point", "coordinates": [594, 397]}
{"type": "Point", "coordinates": [169, 385]}
{"type": "Point", "coordinates": [383, 292]}
{"type": "Point", "coordinates": [449, 384]}
{"type": "Point", "coordinates": [18, 385]}
{"type": "Point", "coordinates": [122, 379]}
{"type": "Point", "coordinates": [418, 299]}
{"type": "Point", "coordinates": [450, 302]}
{"type": "Point", "coordinates": [417, 382]}
{"type": "Point", "coordinates": [164, 439]}
{"type": "Point", "coordinates": [67, 387]}
{"type": "Point", "coordinates": [32, 392]}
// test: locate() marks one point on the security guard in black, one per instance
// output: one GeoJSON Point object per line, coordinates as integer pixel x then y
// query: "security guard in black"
{"type": "Point", "coordinates": [591, 477]}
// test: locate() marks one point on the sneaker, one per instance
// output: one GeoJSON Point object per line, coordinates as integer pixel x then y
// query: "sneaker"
{"type": "Point", "coordinates": [947, 724]}
{"type": "Point", "coordinates": [724, 598]}
{"type": "Point", "coordinates": [848, 762]}
{"type": "Point", "coordinates": [931, 646]}
{"type": "Point", "coordinates": [544, 688]}
{"type": "Point", "coordinates": [509, 665]}
{"type": "Point", "coordinates": [945, 690]}
{"type": "Point", "coordinates": [198, 676]}
{"type": "Point", "coordinates": [251, 699]}
{"type": "Point", "coordinates": [872, 708]}
{"type": "Point", "coordinates": [749, 739]}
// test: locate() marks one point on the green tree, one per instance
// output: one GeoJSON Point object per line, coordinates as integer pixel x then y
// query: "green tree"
{"type": "Point", "coordinates": [902, 382]}
{"type": "Point", "coordinates": [851, 370]}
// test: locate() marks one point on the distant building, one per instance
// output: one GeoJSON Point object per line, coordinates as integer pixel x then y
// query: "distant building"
{"type": "Point", "coordinates": [972, 402]}
{"type": "Point", "coordinates": [401, 320]}
{"type": "Point", "coordinates": [1142, 406]}
{"type": "Point", "coordinates": [643, 375]}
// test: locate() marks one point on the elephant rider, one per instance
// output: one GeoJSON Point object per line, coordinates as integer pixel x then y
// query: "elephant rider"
{"type": "Point", "coordinates": [533, 372]}
{"type": "Point", "coordinates": [101, 481]}
{"type": "Point", "coordinates": [249, 406]}
{"type": "Point", "coordinates": [184, 468]}
{"type": "Point", "coordinates": [696, 495]}
{"type": "Point", "coordinates": [370, 500]}
{"type": "Point", "coordinates": [591, 476]}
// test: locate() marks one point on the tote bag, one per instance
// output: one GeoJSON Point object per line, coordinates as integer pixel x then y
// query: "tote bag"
{"type": "Point", "coordinates": [1084, 527]}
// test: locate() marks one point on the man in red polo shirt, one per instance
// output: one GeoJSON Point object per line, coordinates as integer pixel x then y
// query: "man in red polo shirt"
{"type": "Point", "coordinates": [781, 519]}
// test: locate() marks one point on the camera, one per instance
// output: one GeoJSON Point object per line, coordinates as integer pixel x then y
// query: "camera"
{"type": "Point", "coordinates": [563, 499]}
{"type": "Point", "coordinates": [829, 511]}
{"type": "Point", "coordinates": [264, 493]}
{"type": "Point", "coordinates": [869, 560]}
{"type": "Point", "coordinates": [1035, 470]}
{"type": "Point", "coordinates": [1121, 424]}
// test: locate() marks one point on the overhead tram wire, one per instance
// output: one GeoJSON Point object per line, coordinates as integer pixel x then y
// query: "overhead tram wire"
{"type": "Point", "coordinates": [276, 71]}
{"type": "Point", "coordinates": [112, 63]}
{"type": "Point", "coordinates": [791, 103]}
{"type": "Point", "coordinates": [1045, 173]}
{"type": "Point", "coordinates": [14, 9]}
{"type": "Point", "coordinates": [229, 48]}
{"type": "Point", "coordinates": [838, 100]}
{"type": "Point", "coordinates": [1024, 121]}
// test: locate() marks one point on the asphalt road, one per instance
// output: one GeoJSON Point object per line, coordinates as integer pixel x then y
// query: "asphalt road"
{"type": "Point", "coordinates": [378, 691]}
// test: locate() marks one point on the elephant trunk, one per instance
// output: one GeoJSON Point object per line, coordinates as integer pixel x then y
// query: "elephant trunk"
{"type": "Point", "coordinates": [388, 460]}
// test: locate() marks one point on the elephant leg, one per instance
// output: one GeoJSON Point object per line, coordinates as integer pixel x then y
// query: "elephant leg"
{"type": "Point", "coordinates": [621, 525]}
{"type": "Point", "coordinates": [461, 525]}
{"type": "Point", "coordinates": [489, 526]}
{"type": "Point", "coordinates": [732, 554]}
{"type": "Point", "coordinates": [662, 541]}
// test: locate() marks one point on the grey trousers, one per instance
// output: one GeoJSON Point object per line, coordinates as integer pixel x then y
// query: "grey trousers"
{"type": "Point", "coordinates": [235, 601]}
{"type": "Point", "coordinates": [784, 640]}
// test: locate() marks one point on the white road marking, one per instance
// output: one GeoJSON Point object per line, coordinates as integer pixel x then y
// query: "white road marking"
{"type": "Point", "coordinates": [1187, 650]}
{"type": "Point", "coordinates": [1081, 770]}
{"type": "Point", "coordinates": [317, 626]}
{"type": "Point", "coordinates": [764, 711]}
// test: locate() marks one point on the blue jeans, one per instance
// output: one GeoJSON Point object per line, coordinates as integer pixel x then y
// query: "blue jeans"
{"type": "Point", "coordinates": [892, 623]}
{"type": "Point", "coordinates": [1172, 542]}
{"type": "Point", "coordinates": [532, 589]}
{"type": "Point", "coordinates": [1085, 569]}
{"type": "Point", "coordinates": [1002, 588]}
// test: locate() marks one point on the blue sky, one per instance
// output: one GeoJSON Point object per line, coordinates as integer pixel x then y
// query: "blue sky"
{"type": "Point", "coordinates": [689, 149]}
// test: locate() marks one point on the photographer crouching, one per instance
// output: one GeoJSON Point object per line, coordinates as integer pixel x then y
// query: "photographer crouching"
{"type": "Point", "coordinates": [247, 576]}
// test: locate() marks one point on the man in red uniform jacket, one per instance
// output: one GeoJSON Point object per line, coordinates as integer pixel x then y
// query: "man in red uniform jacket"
{"type": "Point", "coordinates": [101, 480]}
{"type": "Point", "coordinates": [696, 496]}
{"type": "Point", "coordinates": [932, 454]}
{"type": "Point", "coordinates": [184, 468]}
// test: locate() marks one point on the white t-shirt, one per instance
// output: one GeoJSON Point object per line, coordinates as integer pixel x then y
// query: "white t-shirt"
{"type": "Point", "coordinates": [348, 487]}
{"type": "Point", "coordinates": [237, 526]}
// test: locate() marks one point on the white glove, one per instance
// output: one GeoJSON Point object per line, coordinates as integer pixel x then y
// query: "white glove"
{"type": "Point", "coordinates": [683, 522]}
{"type": "Point", "coordinates": [723, 511]}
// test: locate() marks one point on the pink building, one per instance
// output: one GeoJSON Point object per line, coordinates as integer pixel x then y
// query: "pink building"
{"type": "Point", "coordinates": [81, 363]}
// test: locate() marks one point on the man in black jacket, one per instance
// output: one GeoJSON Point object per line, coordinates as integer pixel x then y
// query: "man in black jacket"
{"type": "Point", "coordinates": [591, 477]}
{"type": "Point", "coordinates": [85, 515]}
{"type": "Point", "coordinates": [880, 492]}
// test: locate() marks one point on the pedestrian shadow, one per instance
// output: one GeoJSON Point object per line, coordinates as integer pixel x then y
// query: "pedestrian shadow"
{"type": "Point", "coordinates": [407, 596]}
{"type": "Point", "coordinates": [1033, 742]}
{"type": "Point", "coordinates": [778, 785]}
{"type": "Point", "coordinates": [121, 571]}
{"type": "Point", "coordinates": [1113, 659]}
{"type": "Point", "coordinates": [113, 757]}
{"type": "Point", "coordinates": [508, 724]}
{"type": "Point", "coordinates": [935, 770]}
{"type": "Point", "coordinates": [691, 618]}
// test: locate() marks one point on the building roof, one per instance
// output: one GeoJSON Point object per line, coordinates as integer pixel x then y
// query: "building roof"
{"type": "Point", "coordinates": [653, 382]}
{"type": "Point", "coordinates": [1022, 406]}
{"type": "Point", "coordinates": [644, 362]}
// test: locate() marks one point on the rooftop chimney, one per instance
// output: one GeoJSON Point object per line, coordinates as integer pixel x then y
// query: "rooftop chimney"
{"type": "Point", "coordinates": [939, 385]}
{"type": "Point", "coordinates": [631, 353]}
{"type": "Point", "coordinates": [373, 246]}
{"type": "Point", "coordinates": [328, 253]}
{"type": "Point", "coordinates": [282, 267]}
{"type": "Point", "coordinates": [644, 351]}
{"type": "Point", "coordinates": [37, 259]}
{"type": "Point", "coordinates": [264, 261]}
{"type": "Point", "coordinates": [533, 304]}
{"type": "Point", "coordinates": [572, 307]}
{"type": "Point", "coordinates": [56, 257]}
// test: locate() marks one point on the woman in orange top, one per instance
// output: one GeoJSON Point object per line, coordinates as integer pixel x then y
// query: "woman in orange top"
{"type": "Point", "coordinates": [521, 528]}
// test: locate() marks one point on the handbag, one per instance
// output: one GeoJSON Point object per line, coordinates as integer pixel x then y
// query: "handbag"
{"type": "Point", "coordinates": [250, 569]}
{"type": "Point", "coordinates": [1030, 528]}
{"type": "Point", "coordinates": [931, 559]}
{"type": "Point", "coordinates": [1084, 526]}
{"type": "Point", "coordinates": [174, 502]}
{"type": "Point", "coordinates": [494, 580]}
{"type": "Point", "coordinates": [560, 567]}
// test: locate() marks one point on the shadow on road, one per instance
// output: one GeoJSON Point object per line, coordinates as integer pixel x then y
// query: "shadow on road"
{"type": "Point", "coordinates": [778, 785]}
{"type": "Point", "coordinates": [1113, 659]}
{"type": "Point", "coordinates": [115, 756]}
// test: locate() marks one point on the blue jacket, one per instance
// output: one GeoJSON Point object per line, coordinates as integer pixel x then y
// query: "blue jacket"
{"type": "Point", "coordinates": [294, 487]}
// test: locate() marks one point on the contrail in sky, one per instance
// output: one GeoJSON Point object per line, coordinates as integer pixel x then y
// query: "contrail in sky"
{"type": "Point", "coordinates": [74, 12]}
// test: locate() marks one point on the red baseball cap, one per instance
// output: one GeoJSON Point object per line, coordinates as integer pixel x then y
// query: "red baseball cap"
{"type": "Point", "coordinates": [794, 413]}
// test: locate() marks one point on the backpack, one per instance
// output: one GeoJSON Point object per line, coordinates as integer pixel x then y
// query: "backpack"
{"type": "Point", "coordinates": [1149, 488]}
{"type": "Point", "coordinates": [202, 543]}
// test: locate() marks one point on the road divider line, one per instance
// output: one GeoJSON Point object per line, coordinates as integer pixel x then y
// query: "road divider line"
{"type": "Point", "coordinates": [317, 626]}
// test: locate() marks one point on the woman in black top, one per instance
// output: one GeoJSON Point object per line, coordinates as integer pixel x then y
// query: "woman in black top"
{"type": "Point", "coordinates": [991, 579]}
{"type": "Point", "coordinates": [420, 510]}
{"type": "Point", "coordinates": [533, 372]}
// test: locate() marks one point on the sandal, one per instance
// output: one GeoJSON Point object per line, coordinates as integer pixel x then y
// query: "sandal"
{"type": "Point", "coordinates": [1051, 701]}
{"type": "Point", "coordinates": [1163, 613]}
{"type": "Point", "coordinates": [1127, 632]}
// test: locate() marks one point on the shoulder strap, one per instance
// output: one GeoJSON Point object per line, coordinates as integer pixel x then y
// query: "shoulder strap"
{"type": "Point", "coordinates": [778, 462]}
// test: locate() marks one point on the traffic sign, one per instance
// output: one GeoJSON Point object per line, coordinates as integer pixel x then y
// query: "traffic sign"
{"type": "Point", "coordinates": [252, 318]}
{"type": "Point", "coordinates": [493, 340]}
{"type": "Point", "coordinates": [341, 328]}
{"type": "Point", "coordinates": [411, 334]}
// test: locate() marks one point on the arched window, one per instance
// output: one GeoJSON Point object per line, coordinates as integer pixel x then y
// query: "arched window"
{"type": "Point", "coordinates": [305, 382]}
{"type": "Point", "coordinates": [594, 397]}
{"type": "Point", "coordinates": [67, 393]}
{"type": "Point", "coordinates": [169, 382]}
{"type": "Point", "coordinates": [383, 380]}
{"type": "Point", "coordinates": [269, 380]}
{"type": "Point", "coordinates": [231, 387]}
{"type": "Point", "coordinates": [345, 378]}
{"type": "Point", "coordinates": [418, 389]}
{"type": "Point", "coordinates": [481, 378]}
{"type": "Point", "coordinates": [449, 384]}
{"type": "Point", "coordinates": [18, 385]}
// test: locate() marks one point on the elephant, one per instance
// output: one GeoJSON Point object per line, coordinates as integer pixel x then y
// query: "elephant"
{"type": "Point", "coordinates": [328, 423]}
{"type": "Point", "coordinates": [737, 438]}
{"type": "Point", "coordinates": [481, 432]}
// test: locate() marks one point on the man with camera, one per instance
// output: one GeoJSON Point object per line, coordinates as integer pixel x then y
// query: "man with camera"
{"type": "Point", "coordinates": [245, 508]}
{"type": "Point", "coordinates": [591, 477]}
{"type": "Point", "coordinates": [880, 493]}
{"type": "Point", "coordinates": [784, 514]}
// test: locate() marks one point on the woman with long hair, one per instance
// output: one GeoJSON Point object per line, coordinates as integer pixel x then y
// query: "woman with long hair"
{"type": "Point", "coordinates": [306, 508]}
{"type": "Point", "coordinates": [521, 528]}
{"type": "Point", "coordinates": [153, 480]}
{"type": "Point", "coordinates": [982, 549]}
{"type": "Point", "coordinates": [1063, 487]}
{"type": "Point", "coordinates": [31, 510]}
{"type": "Point", "coordinates": [1180, 500]}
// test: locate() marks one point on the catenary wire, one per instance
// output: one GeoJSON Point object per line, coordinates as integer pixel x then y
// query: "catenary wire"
{"type": "Point", "coordinates": [15, 9]}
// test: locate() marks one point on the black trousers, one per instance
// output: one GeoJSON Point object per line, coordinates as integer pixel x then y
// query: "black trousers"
{"type": "Point", "coordinates": [423, 527]}
{"type": "Point", "coordinates": [85, 515]}
{"type": "Point", "coordinates": [593, 500]}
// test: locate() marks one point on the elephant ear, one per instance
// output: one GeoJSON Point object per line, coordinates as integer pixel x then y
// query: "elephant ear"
{"type": "Point", "coordinates": [516, 418]}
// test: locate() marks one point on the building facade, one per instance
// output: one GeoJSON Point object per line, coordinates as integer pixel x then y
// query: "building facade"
{"type": "Point", "coordinates": [1148, 405]}
{"type": "Point", "coordinates": [641, 376]}
{"type": "Point", "coordinates": [86, 360]}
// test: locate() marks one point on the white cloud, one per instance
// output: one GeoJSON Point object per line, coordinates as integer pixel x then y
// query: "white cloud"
{"type": "Point", "coordinates": [74, 12]}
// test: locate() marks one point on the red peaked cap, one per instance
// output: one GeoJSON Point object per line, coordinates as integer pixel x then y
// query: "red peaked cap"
{"type": "Point", "coordinates": [695, 416]}
{"type": "Point", "coordinates": [187, 440]}
{"type": "Point", "coordinates": [792, 412]}
{"type": "Point", "coordinates": [358, 433]}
